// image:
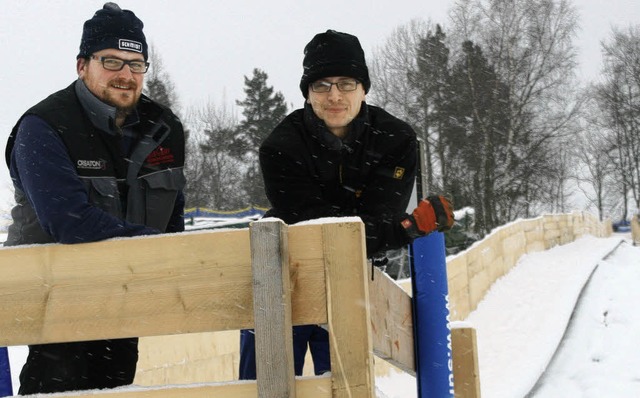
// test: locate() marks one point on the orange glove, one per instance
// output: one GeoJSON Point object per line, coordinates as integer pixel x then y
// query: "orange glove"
{"type": "Point", "coordinates": [433, 213]}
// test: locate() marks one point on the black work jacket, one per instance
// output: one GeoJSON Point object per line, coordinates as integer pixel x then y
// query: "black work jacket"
{"type": "Point", "coordinates": [310, 173]}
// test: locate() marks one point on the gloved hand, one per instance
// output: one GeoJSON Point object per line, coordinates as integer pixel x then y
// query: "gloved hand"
{"type": "Point", "coordinates": [433, 213]}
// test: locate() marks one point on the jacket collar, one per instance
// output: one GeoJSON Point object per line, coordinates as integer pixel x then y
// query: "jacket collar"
{"type": "Point", "coordinates": [318, 129]}
{"type": "Point", "coordinates": [100, 114]}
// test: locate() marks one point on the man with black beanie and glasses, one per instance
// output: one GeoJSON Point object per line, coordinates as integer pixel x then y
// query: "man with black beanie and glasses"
{"type": "Point", "coordinates": [93, 161]}
{"type": "Point", "coordinates": [340, 157]}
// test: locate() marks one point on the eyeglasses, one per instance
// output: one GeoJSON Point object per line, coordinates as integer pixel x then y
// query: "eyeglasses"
{"type": "Point", "coordinates": [323, 86]}
{"type": "Point", "coordinates": [116, 64]}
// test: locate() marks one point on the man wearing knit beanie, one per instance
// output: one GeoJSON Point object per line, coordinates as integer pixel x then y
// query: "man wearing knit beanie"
{"type": "Point", "coordinates": [81, 161]}
{"type": "Point", "coordinates": [340, 157]}
{"type": "Point", "coordinates": [334, 54]}
{"type": "Point", "coordinates": [113, 27]}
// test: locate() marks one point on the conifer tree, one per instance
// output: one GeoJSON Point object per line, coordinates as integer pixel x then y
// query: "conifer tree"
{"type": "Point", "coordinates": [530, 45]}
{"type": "Point", "coordinates": [428, 111]}
{"type": "Point", "coordinates": [475, 136]}
{"type": "Point", "coordinates": [262, 110]}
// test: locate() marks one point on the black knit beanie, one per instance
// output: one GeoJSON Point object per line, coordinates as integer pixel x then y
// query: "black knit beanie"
{"type": "Point", "coordinates": [333, 54]}
{"type": "Point", "coordinates": [113, 27]}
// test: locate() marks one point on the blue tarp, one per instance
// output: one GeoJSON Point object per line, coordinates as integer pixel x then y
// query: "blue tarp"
{"type": "Point", "coordinates": [241, 213]}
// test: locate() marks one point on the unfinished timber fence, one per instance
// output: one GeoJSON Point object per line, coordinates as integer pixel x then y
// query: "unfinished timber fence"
{"type": "Point", "coordinates": [269, 276]}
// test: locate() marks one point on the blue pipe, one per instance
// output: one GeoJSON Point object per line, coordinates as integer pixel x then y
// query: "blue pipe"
{"type": "Point", "coordinates": [432, 334]}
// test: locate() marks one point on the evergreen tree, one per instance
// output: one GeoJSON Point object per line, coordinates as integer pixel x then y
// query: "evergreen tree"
{"type": "Point", "coordinates": [530, 44]}
{"type": "Point", "coordinates": [475, 134]}
{"type": "Point", "coordinates": [263, 110]}
{"type": "Point", "coordinates": [428, 111]}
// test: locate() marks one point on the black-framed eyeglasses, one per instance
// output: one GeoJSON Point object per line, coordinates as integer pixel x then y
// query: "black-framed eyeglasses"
{"type": "Point", "coordinates": [116, 64]}
{"type": "Point", "coordinates": [323, 86]}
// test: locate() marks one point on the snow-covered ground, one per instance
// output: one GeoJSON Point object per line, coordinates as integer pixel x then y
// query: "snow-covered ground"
{"type": "Point", "coordinates": [525, 315]}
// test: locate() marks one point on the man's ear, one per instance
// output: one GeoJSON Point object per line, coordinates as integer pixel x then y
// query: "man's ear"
{"type": "Point", "coordinates": [80, 65]}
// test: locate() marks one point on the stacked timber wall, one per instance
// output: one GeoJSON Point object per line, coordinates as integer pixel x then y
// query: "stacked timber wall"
{"type": "Point", "coordinates": [472, 272]}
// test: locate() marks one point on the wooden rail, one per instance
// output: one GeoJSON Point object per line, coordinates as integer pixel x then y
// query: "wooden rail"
{"type": "Point", "coordinates": [268, 277]}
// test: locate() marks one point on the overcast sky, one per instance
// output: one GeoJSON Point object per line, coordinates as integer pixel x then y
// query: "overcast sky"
{"type": "Point", "coordinates": [208, 46]}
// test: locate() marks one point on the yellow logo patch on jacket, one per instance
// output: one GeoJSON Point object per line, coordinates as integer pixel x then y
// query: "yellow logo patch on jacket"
{"type": "Point", "coordinates": [398, 173]}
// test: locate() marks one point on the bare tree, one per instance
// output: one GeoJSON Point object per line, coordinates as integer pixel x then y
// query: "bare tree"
{"type": "Point", "coordinates": [158, 83]}
{"type": "Point", "coordinates": [391, 66]}
{"type": "Point", "coordinates": [594, 172]}
{"type": "Point", "coordinates": [215, 176]}
{"type": "Point", "coordinates": [529, 43]}
{"type": "Point", "coordinates": [618, 97]}
{"type": "Point", "coordinates": [409, 75]}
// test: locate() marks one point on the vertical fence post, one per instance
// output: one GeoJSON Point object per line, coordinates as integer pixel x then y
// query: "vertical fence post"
{"type": "Point", "coordinates": [465, 361]}
{"type": "Point", "coordinates": [6, 389]}
{"type": "Point", "coordinates": [272, 309]}
{"type": "Point", "coordinates": [635, 229]}
{"type": "Point", "coordinates": [348, 312]}
{"type": "Point", "coordinates": [434, 366]}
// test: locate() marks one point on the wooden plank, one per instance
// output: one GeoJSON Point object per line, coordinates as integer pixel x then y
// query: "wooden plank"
{"type": "Point", "coordinates": [391, 322]}
{"type": "Point", "coordinates": [635, 229]}
{"type": "Point", "coordinates": [348, 310]}
{"type": "Point", "coordinates": [124, 287]}
{"type": "Point", "coordinates": [306, 265]}
{"type": "Point", "coordinates": [466, 371]}
{"type": "Point", "coordinates": [316, 387]}
{"type": "Point", "coordinates": [272, 309]}
{"type": "Point", "coordinates": [160, 285]}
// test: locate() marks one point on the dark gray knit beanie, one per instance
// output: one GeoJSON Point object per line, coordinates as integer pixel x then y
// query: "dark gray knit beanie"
{"type": "Point", "coordinates": [113, 27]}
{"type": "Point", "coordinates": [333, 54]}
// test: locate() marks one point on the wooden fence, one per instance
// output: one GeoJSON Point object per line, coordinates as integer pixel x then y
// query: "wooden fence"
{"type": "Point", "coordinates": [172, 287]}
{"type": "Point", "coordinates": [268, 277]}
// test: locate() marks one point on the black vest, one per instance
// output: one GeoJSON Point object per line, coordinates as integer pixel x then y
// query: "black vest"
{"type": "Point", "coordinates": [141, 189]}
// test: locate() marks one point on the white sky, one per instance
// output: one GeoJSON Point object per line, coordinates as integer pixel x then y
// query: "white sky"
{"type": "Point", "coordinates": [208, 46]}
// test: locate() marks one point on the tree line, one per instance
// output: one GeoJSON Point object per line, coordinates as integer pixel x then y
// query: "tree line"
{"type": "Point", "coordinates": [222, 166]}
{"type": "Point", "coordinates": [506, 127]}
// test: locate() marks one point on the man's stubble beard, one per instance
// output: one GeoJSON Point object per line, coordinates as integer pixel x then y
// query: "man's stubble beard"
{"type": "Point", "coordinates": [108, 98]}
